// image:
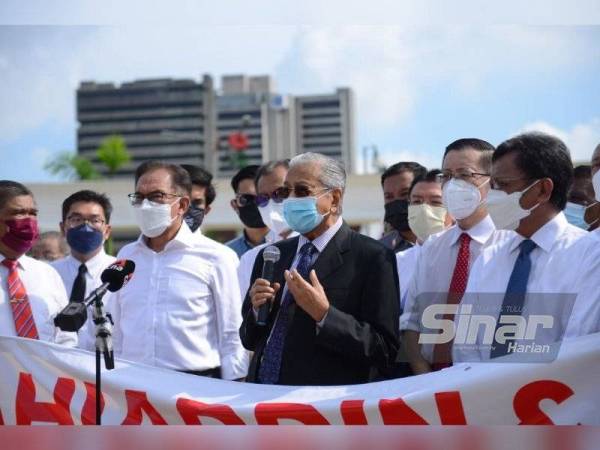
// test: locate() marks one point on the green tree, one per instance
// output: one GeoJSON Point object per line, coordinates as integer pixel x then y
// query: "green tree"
{"type": "Point", "coordinates": [113, 153]}
{"type": "Point", "coordinates": [71, 167]}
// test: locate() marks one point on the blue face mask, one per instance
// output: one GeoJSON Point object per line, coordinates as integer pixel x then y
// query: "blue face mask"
{"type": "Point", "coordinates": [301, 214]}
{"type": "Point", "coordinates": [574, 213]}
{"type": "Point", "coordinates": [84, 239]}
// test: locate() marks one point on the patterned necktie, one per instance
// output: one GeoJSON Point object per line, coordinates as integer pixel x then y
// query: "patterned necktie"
{"type": "Point", "coordinates": [22, 315]}
{"type": "Point", "coordinates": [515, 292]}
{"type": "Point", "coordinates": [78, 291]}
{"type": "Point", "coordinates": [268, 372]}
{"type": "Point", "coordinates": [442, 353]}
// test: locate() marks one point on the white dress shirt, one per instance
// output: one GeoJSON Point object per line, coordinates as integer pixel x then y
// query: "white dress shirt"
{"type": "Point", "coordinates": [182, 308]}
{"type": "Point", "coordinates": [435, 266]}
{"type": "Point", "coordinates": [551, 273]}
{"type": "Point", "coordinates": [585, 318]}
{"type": "Point", "coordinates": [47, 297]}
{"type": "Point", "coordinates": [249, 258]}
{"type": "Point", "coordinates": [68, 268]}
{"type": "Point", "coordinates": [406, 262]}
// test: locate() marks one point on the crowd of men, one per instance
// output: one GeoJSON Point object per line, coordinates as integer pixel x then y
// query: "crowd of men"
{"type": "Point", "coordinates": [513, 230]}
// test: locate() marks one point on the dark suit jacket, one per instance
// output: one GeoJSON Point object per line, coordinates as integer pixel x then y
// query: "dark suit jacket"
{"type": "Point", "coordinates": [359, 338]}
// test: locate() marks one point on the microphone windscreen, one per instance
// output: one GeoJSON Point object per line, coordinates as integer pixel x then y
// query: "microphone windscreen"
{"type": "Point", "coordinates": [271, 253]}
{"type": "Point", "coordinates": [118, 274]}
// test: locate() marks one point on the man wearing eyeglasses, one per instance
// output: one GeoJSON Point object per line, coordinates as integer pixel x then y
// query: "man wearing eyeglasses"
{"type": "Point", "coordinates": [442, 267]}
{"type": "Point", "coordinates": [181, 310]}
{"type": "Point", "coordinates": [535, 273]}
{"type": "Point", "coordinates": [244, 205]}
{"type": "Point", "coordinates": [85, 225]}
{"type": "Point", "coordinates": [334, 303]}
{"type": "Point", "coordinates": [269, 185]}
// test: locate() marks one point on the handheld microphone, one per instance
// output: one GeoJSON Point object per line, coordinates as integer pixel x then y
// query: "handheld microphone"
{"type": "Point", "coordinates": [271, 255]}
{"type": "Point", "coordinates": [114, 277]}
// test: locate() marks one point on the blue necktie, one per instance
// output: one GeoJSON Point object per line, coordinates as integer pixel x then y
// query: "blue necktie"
{"type": "Point", "coordinates": [515, 292]}
{"type": "Point", "coordinates": [268, 372]}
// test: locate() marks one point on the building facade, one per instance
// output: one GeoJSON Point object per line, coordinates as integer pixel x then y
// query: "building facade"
{"type": "Point", "coordinates": [165, 119]}
{"type": "Point", "coordinates": [186, 122]}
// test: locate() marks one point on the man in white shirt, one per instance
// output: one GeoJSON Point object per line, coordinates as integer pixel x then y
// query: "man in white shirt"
{"type": "Point", "coordinates": [31, 292]}
{"type": "Point", "coordinates": [442, 267]}
{"type": "Point", "coordinates": [529, 273]}
{"type": "Point", "coordinates": [586, 312]}
{"type": "Point", "coordinates": [269, 182]}
{"type": "Point", "coordinates": [426, 216]}
{"type": "Point", "coordinates": [85, 225]}
{"type": "Point", "coordinates": [182, 308]}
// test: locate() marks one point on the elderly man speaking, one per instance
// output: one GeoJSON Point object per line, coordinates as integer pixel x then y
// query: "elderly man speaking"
{"type": "Point", "coordinates": [334, 301]}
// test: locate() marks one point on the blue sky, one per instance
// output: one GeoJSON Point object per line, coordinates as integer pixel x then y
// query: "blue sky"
{"type": "Point", "coordinates": [418, 87]}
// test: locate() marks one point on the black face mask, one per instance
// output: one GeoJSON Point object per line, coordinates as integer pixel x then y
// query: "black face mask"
{"type": "Point", "coordinates": [250, 216]}
{"type": "Point", "coordinates": [194, 217]}
{"type": "Point", "coordinates": [396, 214]}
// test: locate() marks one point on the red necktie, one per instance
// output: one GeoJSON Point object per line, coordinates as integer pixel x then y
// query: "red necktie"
{"type": "Point", "coordinates": [23, 317]}
{"type": "Point", "coordinates": [442, 353]}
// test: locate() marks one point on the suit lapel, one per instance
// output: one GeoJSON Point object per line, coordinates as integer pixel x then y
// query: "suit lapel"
{"type": "Point", "coordinates": [331, 258]}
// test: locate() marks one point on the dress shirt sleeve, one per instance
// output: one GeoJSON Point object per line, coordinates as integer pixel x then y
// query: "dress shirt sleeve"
{"type": "Point", "coordinates": [411, 314]}
{"type": "Point", "coordinates": [228, 304]}
{"type": "Point", "coordinates": [372, 337]}
{"type": "Point", "coordinates": [60, 296]}
{"type": "Point", "coordinates": [113, 307]}
{"type": "Point", "coordinates": [585, 317]}
{"type": "Point", "coordinates": [244, 271]}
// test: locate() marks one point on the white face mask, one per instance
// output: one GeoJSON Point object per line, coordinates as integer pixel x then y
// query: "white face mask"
{"type": "Point", "coordinates": [461, 198]}
{"type": "Point", "coordinates": [505, 209]}
{"type": "Point", "coordinates": [272, 216]}
{"type": "Point", "coordinates": [425, 220]}
{"type": "Point", "coordinates": [153, 218]}
{"type": "Point", "coordinates": [596, 183]}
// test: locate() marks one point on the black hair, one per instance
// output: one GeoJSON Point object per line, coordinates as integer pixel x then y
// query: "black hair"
{"type": "Point", "coordinates": [415, 168]}
{"type": "Point", "coordinates": [269, 167]}
{"type": "Point", "coordinates": [486, 149]}
{"type": "Point", "coordinates": [203, 178]}
{"type": "Point", "coordinates": [89, 197]}
{"type": "Point", "coordinates": [539, 155]}
{"type": "Point", "coordinates": [11, 189]}
{"type": "Point", "coordinates": [246, 173]}
{"type": "Point", "coordinates": [430, 177]}
{"type": "Point", "coordinates": [582, 172]}
{"type": "Point", "coordinates": [179, 176]}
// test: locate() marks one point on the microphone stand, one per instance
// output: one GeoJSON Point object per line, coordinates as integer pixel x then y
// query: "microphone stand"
{"type": "Point", "coordinates": [104, 325]}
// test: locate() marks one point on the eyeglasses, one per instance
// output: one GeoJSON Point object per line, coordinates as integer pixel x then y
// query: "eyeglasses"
{"type": "Point", "coordinates": [461, 174]}
{"type": "Point", "coordinates": [136, 199]}
{"type": "Point", "coordinates": [298, 191]}
{"type": "Point", "coordinates": [76, 220]}
{"type": "Point", "coordinates": [504, 182]}
{"type": "Point", "coordinates": [263, 199]}
{"type": "Point", "coordinates": [245, 199]}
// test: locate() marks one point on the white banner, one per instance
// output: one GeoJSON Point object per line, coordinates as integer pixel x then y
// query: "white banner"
{"type": "Point", "coordinates": [43, 383]}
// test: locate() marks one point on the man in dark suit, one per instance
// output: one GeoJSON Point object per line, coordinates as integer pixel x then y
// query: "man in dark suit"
{"type": "Point", "coordinates": [334, 301]}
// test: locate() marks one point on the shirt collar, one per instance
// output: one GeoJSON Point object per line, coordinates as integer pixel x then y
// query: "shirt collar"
{"type": "Point", "coordinates": [93, 264]}
{"type": "Point", "coordinates": [184, 237]}
{"type": "Point", "coordinates": [480, 232]}
{"type": "Point", "coordinates": [321, 242]}
{"type": "Point", "coordinates": [248, 243]}
{"type": "Point", "coordinates": [547, 235]}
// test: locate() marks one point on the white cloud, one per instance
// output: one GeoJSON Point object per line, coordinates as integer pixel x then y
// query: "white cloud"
{"type": "Point", "coordinates": [390, 68]}
{"type": "Point", "coordinates": [42, 66]}
{"type": "Point", "coordinates": [581, 139]}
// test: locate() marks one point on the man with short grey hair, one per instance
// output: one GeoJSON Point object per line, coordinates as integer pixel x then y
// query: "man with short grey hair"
{"type": "Point", "coordinates": [333, 306]}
